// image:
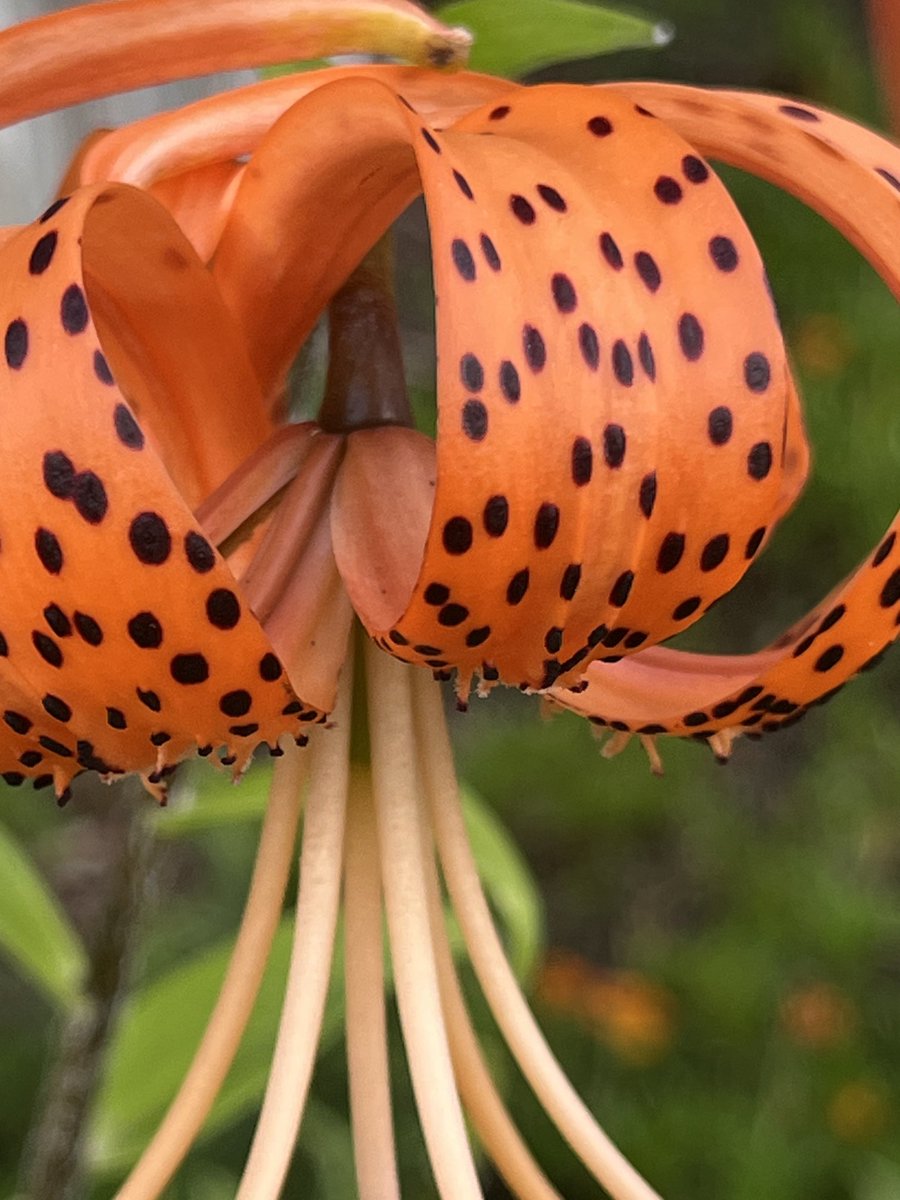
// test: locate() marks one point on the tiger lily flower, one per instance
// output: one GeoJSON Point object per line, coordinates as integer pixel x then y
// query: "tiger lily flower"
{"type": "Point", "coordinates": [618, 433]}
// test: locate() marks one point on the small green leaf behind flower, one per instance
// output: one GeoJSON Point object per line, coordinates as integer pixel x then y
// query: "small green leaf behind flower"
{"type": "Point", "coordinates": [513, 40]}
{"type": "Point", "coordinates": [34, 932]}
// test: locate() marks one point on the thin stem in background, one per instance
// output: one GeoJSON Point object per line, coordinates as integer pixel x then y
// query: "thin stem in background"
{"type": "Point", "coordinates": [55, 1166]}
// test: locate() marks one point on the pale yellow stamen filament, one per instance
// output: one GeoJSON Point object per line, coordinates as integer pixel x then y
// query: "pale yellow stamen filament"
{"type": "Point", "coordinates": [495, 975]}
{"type": "Point", "coordinates": [485, 1108]}
{"type": "Point", "coordinates": [395, 786]}
{"type": "Point", "coordinates": [367, 1060]}
{"type": "Point", "coordinates": [240, 987]}
{"type": "Point", "coordinates": [314, 928]}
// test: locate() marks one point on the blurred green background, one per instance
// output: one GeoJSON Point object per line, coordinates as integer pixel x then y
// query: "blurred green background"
{"type": "Point", "coordinates": [715, 955]}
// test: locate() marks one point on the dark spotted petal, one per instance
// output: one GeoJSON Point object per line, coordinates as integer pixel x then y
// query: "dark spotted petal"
{"type": "Point", "coordinates": [124, 640]}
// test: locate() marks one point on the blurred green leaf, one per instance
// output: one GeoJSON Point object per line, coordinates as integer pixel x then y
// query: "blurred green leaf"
{"type": "Point", "coordinates": [203, 1181]}
{"type": "Point", "coordinates": [513, 40]}
{"type": "Point", "coordinates": [34, 931]}
{"type": "Point", "coordinates": [205, 798]}
{"type": "Point", "coordinates": [159, 1031]}
{"type": "Point", "coordinates": [880, 1181]}
{"type": "Point", "coordinates": [329, 1147]}
{"type": "Point", "coordinates": [508, 883]}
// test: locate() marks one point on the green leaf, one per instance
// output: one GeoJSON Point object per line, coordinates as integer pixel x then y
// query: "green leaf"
{"type": "Point", "coordinates": [163, 1023]}
{"type": "Point", "coordinates": [328, 1145]}
{"type": "Point", "coordinates": [508, 884]}
{"type": "Point", "coordinates": [513, 40]}
{"type": "Point", "coordinates": [205, 798]}
{"type": "Point", "coordinates": [34, 931]}
{"type": "Point", "coordinates": [157, 1035]}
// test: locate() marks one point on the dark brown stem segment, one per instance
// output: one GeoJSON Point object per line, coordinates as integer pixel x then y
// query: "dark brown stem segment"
{"type": "Point", "coordinates": [884, 37]}
{"type": "Point", "coordinates": [366, 384]}
{"type": "Point", "coordinates": [54, 1162]}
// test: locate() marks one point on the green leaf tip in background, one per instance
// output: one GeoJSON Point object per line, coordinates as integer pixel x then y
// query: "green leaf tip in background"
{"type": "Point", "coordinates": [508, 884]}
{"type": "Point", "coordinates": [513, 39]}
{"type": "Point", "coordinates": [34, 931]}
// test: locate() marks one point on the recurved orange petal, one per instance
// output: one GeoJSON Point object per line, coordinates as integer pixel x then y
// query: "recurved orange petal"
{"type": "Point", "coordinates": [100, 49]}
{"type": "Point", "coordinates": [122, 628]}
{"type": "Point", "coordinates": [852, 177]}
{"type": "Point", "coordinates": [227, 126]}
{"type": "Point", "coordinates": [591, 272]}
{"type": "Point", "coordinates": [200, 201]}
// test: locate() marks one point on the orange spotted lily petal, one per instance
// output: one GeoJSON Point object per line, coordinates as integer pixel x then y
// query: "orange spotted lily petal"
{"type": "Point", "coordinates": [852, 177]}
{"type": "Point", "coordinates": [618, 433]}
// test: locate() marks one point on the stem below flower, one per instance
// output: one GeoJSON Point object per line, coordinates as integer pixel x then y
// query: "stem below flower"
{"type": "Point", "coordinates": [366, 385]}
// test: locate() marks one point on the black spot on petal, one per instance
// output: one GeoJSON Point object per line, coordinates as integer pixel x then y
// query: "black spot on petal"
{"type": "Point", "coordinates": [42, 254]}
{"type": "Point", "coordinates": [150, 538]}
{"type": "Point", "coordinates": [463, 260]}
{"type": "Point", "coordinates": [73, 310]}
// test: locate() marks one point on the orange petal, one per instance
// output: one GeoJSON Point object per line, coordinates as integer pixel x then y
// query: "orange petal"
{"type": "Point", "coordinates": [589, 292]}
{"type": "Point", "coordinates": [670, 691]}
{"type": "Point", "coordinates": [588, 367]}
{"type": "Point", "coordinates": [851, 176]}
{"type": "Point", "coordinates": [73, 176]}
{"type": "Point", "coordinates": [329, 178]}
{"type": "Point", "coordinates": [100, 49]}
{"type": "Point", "coordinates": [293, 583]}
{"type": "Point", "coordinates": [119, 617]}
{"type": "Point", "coordinates": [200, 201]}
{"type": "Point", "coordinates": [380, 514]}
{"type": "Point", "coordinates": [170, 343]}
{"type": "Point", "coordinates": [228, 126]}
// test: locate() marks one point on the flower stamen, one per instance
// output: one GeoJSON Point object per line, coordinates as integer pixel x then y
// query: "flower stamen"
{"type": "Point", "coordinates": [318, 900]}
{"type": "Point", "coordinates": [395, 788]}
{"type": "Point", "coordinates": [495, 975]}
{"type": "Point", "coordinates": [367, 1059]}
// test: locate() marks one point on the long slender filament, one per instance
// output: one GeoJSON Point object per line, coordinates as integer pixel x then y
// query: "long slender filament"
{"type": "Point", "coordinates": [367, 1057]}
{"type": "Point", "coordinates": [495, 975]}
{"type": "Point", "coordinates": [395, 786]}
{"type": "Point", "coordinates": [239, 990]}
{"type": "Point", "coordinates": [483, 1104]}
{"type": "Point", "coordinates": [314, 929]}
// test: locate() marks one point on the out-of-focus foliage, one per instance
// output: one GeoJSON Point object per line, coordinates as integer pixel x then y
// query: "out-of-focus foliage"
{"type": "Point", "coordinates": [34, 932]}
{"type": "Point", "coordinates": [723, 970]}
{"type": "Point", "coordinates": [542, 32]}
